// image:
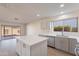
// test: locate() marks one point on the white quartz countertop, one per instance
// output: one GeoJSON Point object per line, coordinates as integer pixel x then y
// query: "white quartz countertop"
{"type": "Point", "coordinates": [49, 34]}
{"type": "Point", "coordinates": [75, 37]}
{"type": "Point", "coordinates": [31, 40]}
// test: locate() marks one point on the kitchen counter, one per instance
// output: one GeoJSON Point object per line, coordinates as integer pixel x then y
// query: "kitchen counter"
{"type": "Point", "coordinates": [52, 35]}
{"type": "Point", "coordinates": [47, 34]}
{"type": "Point", "coordinates": [75, 37]}
{"type": "Point", "coordinates": [31, 40]}
{"type": "Point", "coordinates": [31, 46]}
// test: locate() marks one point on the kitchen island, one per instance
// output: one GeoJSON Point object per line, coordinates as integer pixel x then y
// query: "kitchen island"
{"type": "Point", "coordinates": [31, 46]}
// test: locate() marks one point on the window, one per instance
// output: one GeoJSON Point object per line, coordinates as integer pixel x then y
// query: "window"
{"type": "Point", "coordinates": [7, 30]}
{"type": "Point", "coordinates": [66, 25]}
{"type": "Point", "coordinates": [50, 25]}
{"type": "Point", "coordinates": [10, 30]}
{"type": "Point", "coordinates": [16, 31]}
{"type": "Point", "coordinates": [58, 25]}
{"type": "Point", "coordinates": [70, 25]}
{"type": "Point", "coordinates": [2, 30]}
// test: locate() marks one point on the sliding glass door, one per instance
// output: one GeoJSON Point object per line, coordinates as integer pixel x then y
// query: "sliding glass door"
{"type": "Point", "coordinates": [10, 30]}
{"type": "Point", "coordinates": [16, 31]}
{"type": "Point", "coordinates": [2, 30]}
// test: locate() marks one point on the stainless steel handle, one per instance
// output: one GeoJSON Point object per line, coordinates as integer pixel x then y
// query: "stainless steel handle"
{"type": "Point", "coordinates": [76, 51]}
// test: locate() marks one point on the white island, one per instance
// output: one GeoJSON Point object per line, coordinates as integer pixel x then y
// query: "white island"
{"type": "Point", "coordinates": [31, 46]}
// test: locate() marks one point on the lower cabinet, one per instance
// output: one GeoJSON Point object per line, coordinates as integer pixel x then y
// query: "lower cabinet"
{"type": "Point", "coordinates": [65, 44]}
{"type": "Point", "coordinates": [58, 42]}
{"type": "Point", "coordinates": [72, 45]}
{"type": "Point", "coordinates": [62, 43]}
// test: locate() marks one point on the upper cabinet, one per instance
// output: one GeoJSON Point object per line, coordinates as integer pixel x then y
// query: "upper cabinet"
{"type": "Point", "coordinates": [45, 25]}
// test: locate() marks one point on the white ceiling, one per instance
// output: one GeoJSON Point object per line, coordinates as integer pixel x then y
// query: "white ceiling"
{"type": "Point", "coordinates": [27, 12]}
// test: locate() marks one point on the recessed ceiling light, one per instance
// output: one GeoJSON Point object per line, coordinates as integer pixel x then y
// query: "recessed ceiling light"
{"type": "Point", "coordinates": [61, 12]}
{"type": "Point", "coordinates": [62, 5]}
{"type": "Point", "coordinates": [38, 15]}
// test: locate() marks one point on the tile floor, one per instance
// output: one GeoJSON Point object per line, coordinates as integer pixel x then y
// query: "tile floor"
{"type": "Point", "coordinates": [8, 48]}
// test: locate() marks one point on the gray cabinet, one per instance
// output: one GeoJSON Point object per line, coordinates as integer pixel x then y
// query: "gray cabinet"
{"type": "Point", "coordinates": [62, 43]}
{"type": "Point", "coordinates": [65, 44]}
{"type": "Point", "coordinates": [72, 45]}
{"type": "Point", "coordinates": [51, 41]}
{"type": "Point", "coordinates": [58, 42]}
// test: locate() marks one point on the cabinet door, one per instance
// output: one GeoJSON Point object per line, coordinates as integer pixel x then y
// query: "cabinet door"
{"type": "Point", "coordinates": [51, 41]}
{"type": "Point", "coordinates": [64, 44]}
{"type": "Point", "coordinates": [72, 44]}
{"type": "Point", "coordinates": [19, 47]}
{"type": "Point", "coordinates": [58, 42]}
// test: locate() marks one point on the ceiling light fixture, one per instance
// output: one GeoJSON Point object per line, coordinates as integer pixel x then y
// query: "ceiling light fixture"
{"type": "Point", "coordinates": [62, 5]}
{"type": "Point", "coordinates": [38, 15]}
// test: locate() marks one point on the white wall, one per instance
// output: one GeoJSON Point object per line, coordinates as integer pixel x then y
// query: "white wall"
{"type": "Point", "coordinates": [33, 28]}
{"type": "Point", "coordinates": [37, 27]}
